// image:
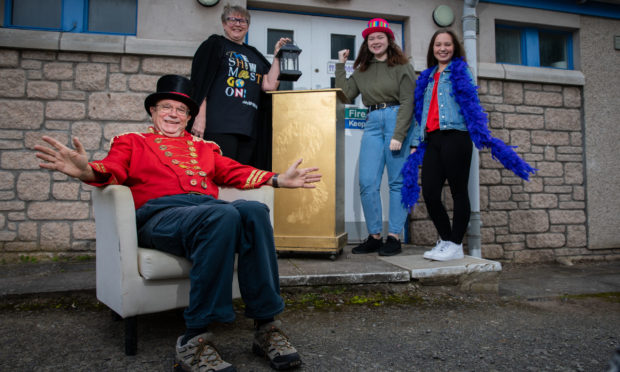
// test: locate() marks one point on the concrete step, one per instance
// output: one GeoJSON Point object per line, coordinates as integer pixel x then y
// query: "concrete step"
{"type": "Point", "coordinates": [469, 273]}
{"type": "Point", "coordinates": [295, 270]}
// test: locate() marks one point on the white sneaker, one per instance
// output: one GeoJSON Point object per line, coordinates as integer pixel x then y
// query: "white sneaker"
{"type": "Point", "coordinates": [429, 254]}
{"type": "Point", "coordinates": [449, 251]}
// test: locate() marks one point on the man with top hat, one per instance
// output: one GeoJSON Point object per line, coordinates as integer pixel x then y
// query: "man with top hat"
{"type": "Point", "coordinates": [174, 178]}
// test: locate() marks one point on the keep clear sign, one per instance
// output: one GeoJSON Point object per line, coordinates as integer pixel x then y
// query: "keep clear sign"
{"type": "Point", "coordinates": [354, 118]}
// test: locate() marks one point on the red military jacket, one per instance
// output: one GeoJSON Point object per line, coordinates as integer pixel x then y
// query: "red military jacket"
{"type": "Point", "coordinates": [153, 165]}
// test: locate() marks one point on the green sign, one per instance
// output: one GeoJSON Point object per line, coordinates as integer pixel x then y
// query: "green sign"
{"type": "Point", "coordinates": [355, 118]}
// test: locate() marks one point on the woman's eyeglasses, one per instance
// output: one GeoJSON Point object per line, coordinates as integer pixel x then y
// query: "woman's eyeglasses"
{"type": "Point", "coordinates": [235, 20]}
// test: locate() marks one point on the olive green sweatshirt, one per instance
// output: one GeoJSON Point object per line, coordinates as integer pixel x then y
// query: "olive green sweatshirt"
{"type": "Point", "coordinates": [382, 84]}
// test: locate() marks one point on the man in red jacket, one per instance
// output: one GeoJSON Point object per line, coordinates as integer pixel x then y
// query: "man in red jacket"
{"type": "Point", "coordinates": [174, 179]}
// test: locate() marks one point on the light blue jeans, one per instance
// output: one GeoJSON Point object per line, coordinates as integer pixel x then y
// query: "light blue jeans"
{"type": "Point", "coordinates": [375, 156]}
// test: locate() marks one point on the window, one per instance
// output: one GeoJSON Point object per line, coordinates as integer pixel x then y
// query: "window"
{"type": "Point", "coordinates": [273, 35]}
{"type": "Point", "coordinates": [533, 47]}
{"type": "Point", "coordinates": [508, 46]}
{"type": "Point", "coordinates": [553, 47]}
{"type": "Point", "coordinates": [46, 16]}
{"type": "Point", "coordinates": [340, 42]}
{"type": "Point", "coordinates": [97, 16]}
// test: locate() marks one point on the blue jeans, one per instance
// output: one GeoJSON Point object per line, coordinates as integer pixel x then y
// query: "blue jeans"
{"type": "Point", "coordinates": [375, 156]}
{"type": "Point", "coordinates": [208, 232]}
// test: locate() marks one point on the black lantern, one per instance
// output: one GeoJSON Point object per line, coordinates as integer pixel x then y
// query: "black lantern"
{"type": "Point", "coordinates": [289, 62]}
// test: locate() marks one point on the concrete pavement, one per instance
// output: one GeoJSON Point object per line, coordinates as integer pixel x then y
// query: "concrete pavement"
{"type": "Point", "coordinates": [469, 274]}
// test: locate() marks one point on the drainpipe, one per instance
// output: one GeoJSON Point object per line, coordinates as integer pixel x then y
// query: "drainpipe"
{"type": "Point", "coordinates": [470, 21]}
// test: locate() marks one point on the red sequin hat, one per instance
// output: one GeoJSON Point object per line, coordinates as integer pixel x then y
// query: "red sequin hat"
{"type": "Point", "coordinates": [378, 25]}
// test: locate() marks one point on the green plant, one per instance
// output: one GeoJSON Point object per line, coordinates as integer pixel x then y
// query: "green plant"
{"type": "Point", "coordinates": [27, 259]}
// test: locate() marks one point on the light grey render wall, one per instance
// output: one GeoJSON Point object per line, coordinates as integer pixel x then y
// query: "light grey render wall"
{"type": "Point", "coordinates": [601, 65]}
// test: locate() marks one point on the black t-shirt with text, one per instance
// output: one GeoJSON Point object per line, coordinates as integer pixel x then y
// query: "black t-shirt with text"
{"type": "Point", "coordinates": [234, 97]}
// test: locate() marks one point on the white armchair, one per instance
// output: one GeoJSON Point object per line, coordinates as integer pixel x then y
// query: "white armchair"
{"type": "Point", "coordinates": [132, 280]}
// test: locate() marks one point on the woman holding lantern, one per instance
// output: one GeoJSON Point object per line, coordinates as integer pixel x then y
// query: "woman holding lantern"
{"type": "Point", "coordinates": [229, 78]}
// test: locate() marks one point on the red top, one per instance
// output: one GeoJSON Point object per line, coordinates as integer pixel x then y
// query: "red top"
{"type": "Point", "coordinates": [432, 120]}
{"type": "Point", "coordinates": [153, 165]}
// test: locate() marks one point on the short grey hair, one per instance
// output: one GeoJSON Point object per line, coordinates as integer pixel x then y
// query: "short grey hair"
{"type": "Point", "coordinates": [232, 9]}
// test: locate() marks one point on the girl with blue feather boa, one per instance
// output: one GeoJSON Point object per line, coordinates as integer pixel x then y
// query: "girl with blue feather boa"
{"type": "Point", "coordinates": [448, 118]}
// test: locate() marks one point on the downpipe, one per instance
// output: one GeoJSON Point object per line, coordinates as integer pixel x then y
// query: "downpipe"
{"type": "Point", "coordinates": [470, 28]}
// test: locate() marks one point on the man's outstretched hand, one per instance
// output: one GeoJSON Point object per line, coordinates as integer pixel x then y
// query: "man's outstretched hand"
{"type": "Point", "coordinates": [60, 158]}
{"type": "Point", "coordinates": [295, 178]}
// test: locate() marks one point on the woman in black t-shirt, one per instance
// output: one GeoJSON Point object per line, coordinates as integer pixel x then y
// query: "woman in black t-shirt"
{"type": "Point", "coordinates": [231, 76]}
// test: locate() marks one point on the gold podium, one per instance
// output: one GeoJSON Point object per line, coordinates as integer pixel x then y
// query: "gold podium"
{"type": "Point", "coordinates": [309, 124]}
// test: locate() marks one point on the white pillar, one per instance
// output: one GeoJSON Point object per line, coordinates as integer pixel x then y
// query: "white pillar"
{"type": "Point", "coordinates": [470, 26]}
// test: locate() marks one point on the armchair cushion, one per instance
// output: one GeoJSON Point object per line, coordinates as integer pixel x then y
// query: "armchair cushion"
{"type": "Point", "coordinates": [154, 265]}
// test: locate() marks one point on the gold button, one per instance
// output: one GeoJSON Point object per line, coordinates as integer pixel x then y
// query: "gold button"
{"type": "Point", "coordinates": [158, 140]}
{"type": "Point", "coordinates": [192, 149]}
{"type": "Point", "coordinates": [203, 184]}
{"type": "Point", "coordinates": [193, 154]}
{"type": "Point", "coordinates": [193, 161]}
{"type": "Point", "coordinates": [189, 172]}
{"type": "Point", "coordinates": [202, 173]}
{"type": "Point", "coordinates": [193, 182]}
{"type": "Point", "coordinates": [190, 143]}
{"type": "Point", "coordinates": [183, 166]}
{"type": "Point", "coordinates": [175, 161]}
{"type": "Point", "coordinates": [163, 147]}
{"type": "Point", "coordinates": [168, 154]}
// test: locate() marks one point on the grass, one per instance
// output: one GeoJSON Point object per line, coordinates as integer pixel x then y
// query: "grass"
{"type": "Point", "coordinates": [606, 296]}
{"type": "Point", "coordinates": [28, 259]}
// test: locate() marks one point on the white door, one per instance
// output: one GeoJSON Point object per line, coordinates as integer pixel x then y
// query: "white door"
{"type": "Point", "coordinates": [320, 38]}
{"type": "Point", "coordinates": [267, 26]}
{"type": "Point", "coordinates": [317, 36]}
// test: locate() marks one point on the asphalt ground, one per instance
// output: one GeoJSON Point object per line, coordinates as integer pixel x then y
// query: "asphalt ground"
{"type": "Point", "coordinates": [544, 318]}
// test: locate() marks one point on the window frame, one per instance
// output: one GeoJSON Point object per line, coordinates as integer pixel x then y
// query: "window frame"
{"type": "Point", "coordinates": [73, 18]}
{"type": "Point", "coordinates": [530, 45]}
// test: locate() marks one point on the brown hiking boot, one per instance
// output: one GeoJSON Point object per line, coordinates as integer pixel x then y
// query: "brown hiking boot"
{"type": "Point", "coordinates": [271, 343]}
{"type": "Point", "coordinates": [199, 355]}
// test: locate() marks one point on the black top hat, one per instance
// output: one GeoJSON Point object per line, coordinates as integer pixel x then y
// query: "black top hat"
{"type": "Point", "coordinates": [174, 87]}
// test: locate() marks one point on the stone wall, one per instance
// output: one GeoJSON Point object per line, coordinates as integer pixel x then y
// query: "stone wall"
{"type": "Point", "coordinates": [540, 220]}
{"type": "Point", "coordinates": [96, 96]}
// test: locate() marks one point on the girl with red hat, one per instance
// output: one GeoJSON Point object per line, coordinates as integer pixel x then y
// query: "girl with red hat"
{"type": "Point", "coordinates": [385, 79]}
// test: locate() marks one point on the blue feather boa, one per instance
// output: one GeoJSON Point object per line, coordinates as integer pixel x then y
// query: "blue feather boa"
{"type": "Point", "coordinates": [466, 95]}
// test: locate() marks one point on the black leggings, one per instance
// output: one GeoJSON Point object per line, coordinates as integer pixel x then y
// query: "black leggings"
{"type": "Point", "coordinates": [447, 157]}
{"type": "Point", "coordinates": [235, 146]}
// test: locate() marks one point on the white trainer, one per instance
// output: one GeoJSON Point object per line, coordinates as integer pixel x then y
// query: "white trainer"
{"type": "Point", "coordinates": [429, 254]}
{"type": "Point", "coordinates": [449, 251]}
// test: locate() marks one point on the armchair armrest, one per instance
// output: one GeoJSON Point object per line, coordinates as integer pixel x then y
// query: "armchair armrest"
{"type": "Point", "coordinates": [117, 242]}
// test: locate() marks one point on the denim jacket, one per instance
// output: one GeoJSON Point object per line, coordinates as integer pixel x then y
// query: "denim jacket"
{"type": "Point", "coordinates": [450, 116]}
